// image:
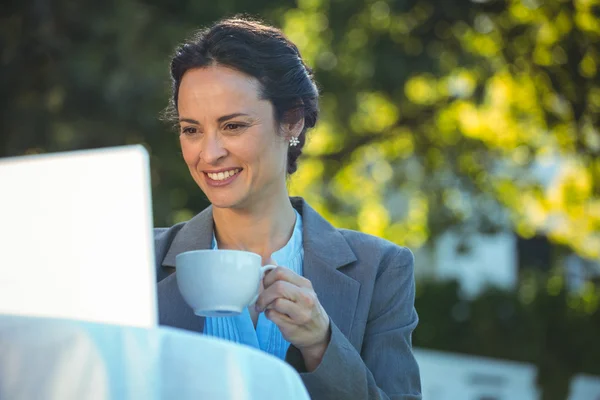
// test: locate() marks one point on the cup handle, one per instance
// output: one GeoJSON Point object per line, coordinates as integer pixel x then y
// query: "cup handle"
{"type": "Point", "coordinates": [263, 270]}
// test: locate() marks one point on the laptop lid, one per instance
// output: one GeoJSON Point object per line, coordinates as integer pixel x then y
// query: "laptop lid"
{"type": "Point", "coordinates": [76, 236]}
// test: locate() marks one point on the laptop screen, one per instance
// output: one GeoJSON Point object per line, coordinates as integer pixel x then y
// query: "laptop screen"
{"type": "Point", "coordinates": [76, 236]}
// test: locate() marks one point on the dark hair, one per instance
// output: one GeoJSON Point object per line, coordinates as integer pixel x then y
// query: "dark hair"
{"type": "Point", "coordinates": [264, 53]}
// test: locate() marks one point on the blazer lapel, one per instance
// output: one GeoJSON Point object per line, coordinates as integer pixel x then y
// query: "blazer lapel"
{"type": "Point", "coordinates": [172, 309]}
{"type": "Point", "coordinates": [197, 234]}
{"type": "Point", "coordinates": [325, 252]}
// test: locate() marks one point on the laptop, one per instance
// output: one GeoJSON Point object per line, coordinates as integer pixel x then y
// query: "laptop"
{"type": "Point", "coordinates": [76, 237]}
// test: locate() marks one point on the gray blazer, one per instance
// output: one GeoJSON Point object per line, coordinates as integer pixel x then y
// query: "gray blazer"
{"type": "Point", "coordinates": [366, 285]}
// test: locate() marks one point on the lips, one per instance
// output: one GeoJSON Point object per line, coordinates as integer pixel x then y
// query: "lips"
{"type": "Point", "coordinates": [221, 178]}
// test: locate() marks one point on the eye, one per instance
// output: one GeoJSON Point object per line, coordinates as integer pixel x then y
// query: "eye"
{"type": "Point", "coordinates": [189, 130]}
{"type": "Point", "coordinates": [232, 126]}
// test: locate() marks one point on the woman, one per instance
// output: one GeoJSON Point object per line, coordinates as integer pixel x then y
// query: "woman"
{"type": "Point", "coordinates": [340, 307]}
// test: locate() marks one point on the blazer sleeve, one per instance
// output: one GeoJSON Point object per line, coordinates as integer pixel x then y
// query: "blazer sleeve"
{"type": "Point", "coordinates": [385, 367]}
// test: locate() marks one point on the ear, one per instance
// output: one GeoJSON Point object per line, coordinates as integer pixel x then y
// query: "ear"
{"type": "Point", "coordinates": [293, 123]}
{"type": "Point", "coordinates": [295, 129]}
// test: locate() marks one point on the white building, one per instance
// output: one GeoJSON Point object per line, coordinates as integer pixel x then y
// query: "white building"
{"type": "Point", "coordinates": [449, 376]}
{"type": "Point", "coordinates": [488, 260]}
{"type": "Point", "coordinates": [492, 260]}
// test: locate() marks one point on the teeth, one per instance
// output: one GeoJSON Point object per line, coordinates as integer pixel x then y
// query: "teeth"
{"type": "Point", "coordinates": [223, 175]}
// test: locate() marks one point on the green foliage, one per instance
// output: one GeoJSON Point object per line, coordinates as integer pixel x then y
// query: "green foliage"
{"type": "Point", "coordinates": [541, 323]}
{"type": "Point", "coordinates": [437, 113]}
{"type": "Point", "coordinates": [433, 112]}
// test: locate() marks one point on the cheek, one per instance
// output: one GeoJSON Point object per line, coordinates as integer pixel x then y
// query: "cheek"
{"type": "Point", "coordinates": [247, 149]}
{"type": "Point", "coordinates": [272, 152]}
{"type": "Point", "coordinates": [189, 151]}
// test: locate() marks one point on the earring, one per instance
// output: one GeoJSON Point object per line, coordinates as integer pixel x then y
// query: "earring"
{"type": "Point", "coordinates": [294, 141]}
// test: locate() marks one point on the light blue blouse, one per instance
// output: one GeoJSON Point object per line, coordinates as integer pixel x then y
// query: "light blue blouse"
{"type": "Point", "coordinates": [267, 336]}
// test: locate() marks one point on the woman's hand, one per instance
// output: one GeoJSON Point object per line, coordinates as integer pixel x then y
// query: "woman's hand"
{"type": "Point", "coordinates": [289, 300]}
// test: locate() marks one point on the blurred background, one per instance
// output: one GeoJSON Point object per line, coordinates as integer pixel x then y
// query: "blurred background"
{"type": "Point", "coordinates": [465, 130]}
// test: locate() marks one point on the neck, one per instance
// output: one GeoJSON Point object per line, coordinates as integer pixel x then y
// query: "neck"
{"type": "Point", "coordinates": [262, 230]}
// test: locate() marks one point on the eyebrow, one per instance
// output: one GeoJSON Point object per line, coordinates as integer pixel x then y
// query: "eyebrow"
{"type": "Point", "coordinates": [220, 119]}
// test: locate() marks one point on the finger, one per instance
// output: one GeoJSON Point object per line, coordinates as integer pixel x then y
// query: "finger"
{"type": "Point", "coordinates": [297, 314]}
{"type": "Point", "coordinates": [286, 274]}
{"type": "Point", "coordinates": [281, 320]}
{"type": "Point", "coordinates": [280, 289]}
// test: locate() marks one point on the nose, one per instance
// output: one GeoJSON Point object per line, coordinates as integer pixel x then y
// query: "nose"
{"type": "Point", "coordinates": [212, 149]}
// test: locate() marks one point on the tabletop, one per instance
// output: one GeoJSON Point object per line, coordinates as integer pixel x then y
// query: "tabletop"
{"type": "Point", "coordinates": [47, 358]}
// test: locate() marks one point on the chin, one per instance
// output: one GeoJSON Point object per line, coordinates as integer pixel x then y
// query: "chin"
{"type": "Point", "coordinates": [217, 204]}
{"type": "Point", "coordinates": [225, 202]}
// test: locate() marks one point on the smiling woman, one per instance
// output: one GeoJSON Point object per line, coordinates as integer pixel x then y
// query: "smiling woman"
{"type": "Point", "coordinates": [340, 306]}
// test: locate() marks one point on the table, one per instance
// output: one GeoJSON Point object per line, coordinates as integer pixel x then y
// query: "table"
{"type": "Point", "coordinates": [46, 358]}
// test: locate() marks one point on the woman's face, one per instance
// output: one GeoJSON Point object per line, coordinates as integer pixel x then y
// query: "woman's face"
{"type": "Point", "coordinates": [229, 137]}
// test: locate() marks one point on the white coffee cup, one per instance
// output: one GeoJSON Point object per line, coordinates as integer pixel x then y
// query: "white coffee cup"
{"type": "Point", "coordinates": [219, 283]}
